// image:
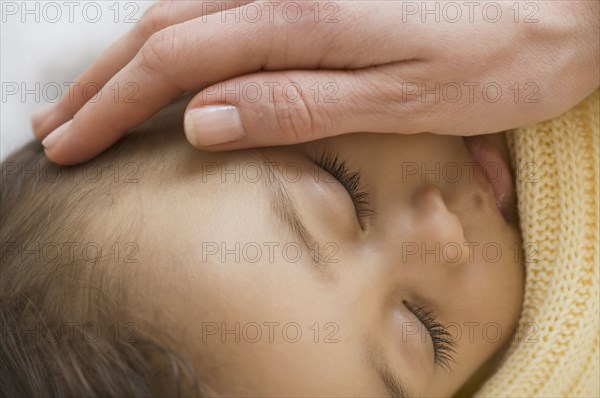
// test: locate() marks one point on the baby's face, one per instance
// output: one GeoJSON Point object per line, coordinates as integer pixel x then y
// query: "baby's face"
{"type": "Point", "coordinates": [277, 282]}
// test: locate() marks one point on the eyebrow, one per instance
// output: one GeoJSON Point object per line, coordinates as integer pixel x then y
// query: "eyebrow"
{"type": "Point", "coordinates": [393, 384]}
{"type": "Point", "coordinates": [283, 204]}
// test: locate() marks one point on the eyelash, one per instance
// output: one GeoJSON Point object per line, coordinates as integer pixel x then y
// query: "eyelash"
{"type": "Point", "coordinates": [443, 343]}
{"type": "Point", "coordinates": [339, 170]}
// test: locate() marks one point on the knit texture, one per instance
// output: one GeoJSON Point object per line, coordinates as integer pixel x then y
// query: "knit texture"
{"type": "Point", "coordinates": [556, 165]}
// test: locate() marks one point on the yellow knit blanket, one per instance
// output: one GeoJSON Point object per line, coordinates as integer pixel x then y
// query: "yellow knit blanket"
{"type": "Point", "coordinates": [557, 354]}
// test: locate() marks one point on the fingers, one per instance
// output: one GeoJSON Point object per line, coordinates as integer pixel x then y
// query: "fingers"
{"type": "Point", "coordinates": [190, 55]}
{"type": "Point", "coordinates": [281, 108]}
{"type": "Point", "coordinates": [159, 16]}
{"type": "Point", "coordinates": [181, 57]}
{"type": "Point", "coordinates": [172, 61]}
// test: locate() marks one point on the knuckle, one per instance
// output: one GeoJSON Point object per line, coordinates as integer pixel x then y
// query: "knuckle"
{"type": "Point", "coordinates": [384, 90]}
{"type": "Point", "coordinates": [394, 96]}
{"type": "Point", "coordinates": [299, 14]}
{"type": "Point", "coordinates": [156, 54]}
{"type": "Point", "coordinates": [294, 116]}
{"type": "Point", "coordinates": [155, 18]}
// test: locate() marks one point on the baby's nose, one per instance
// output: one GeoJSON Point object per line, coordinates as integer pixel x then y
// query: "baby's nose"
{"type": "Point", "coordinates": [437, 230]}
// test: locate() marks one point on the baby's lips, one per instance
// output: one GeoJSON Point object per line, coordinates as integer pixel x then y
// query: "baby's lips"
{"type": "Point", "coordinates": [495, 170]}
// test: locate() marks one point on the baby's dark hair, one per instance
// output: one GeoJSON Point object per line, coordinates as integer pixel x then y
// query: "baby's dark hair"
{"type": "Point", "coordinates": [66, 326]}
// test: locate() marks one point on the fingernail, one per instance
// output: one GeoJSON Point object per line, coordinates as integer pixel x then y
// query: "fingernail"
{"type": "Point", "coordinates": [212, 125]}
{"type": "Point", "coordinates": [52, 138]}
{"type": "Point", "coordinates": [40, 115]}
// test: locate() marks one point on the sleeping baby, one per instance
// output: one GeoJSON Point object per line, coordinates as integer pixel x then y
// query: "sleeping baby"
{"type": "Point", "coordinates": [364, 265]}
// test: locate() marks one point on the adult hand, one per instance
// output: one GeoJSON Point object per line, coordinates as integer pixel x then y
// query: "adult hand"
{"type": "Point", "coordinates": [282, 72]}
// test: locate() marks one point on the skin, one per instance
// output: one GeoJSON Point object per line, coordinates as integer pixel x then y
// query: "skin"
{"type": "Point", "coordinates": [358, 300]}
{"type": "Point", "coordinates": [373, 66]}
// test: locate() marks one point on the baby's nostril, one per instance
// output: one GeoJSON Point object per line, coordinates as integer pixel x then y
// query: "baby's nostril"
{"type": "Point", "coordinates": [478, 200]}
{"type": "Point", "coordinates": [428, 196]}
{"type": "Point", "coordinates": [433, 223]}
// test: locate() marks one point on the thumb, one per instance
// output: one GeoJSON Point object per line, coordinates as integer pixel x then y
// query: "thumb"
{"type": "Point", "coordinates": [282, 108]}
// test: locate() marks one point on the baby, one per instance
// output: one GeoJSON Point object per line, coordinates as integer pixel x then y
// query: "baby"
{"type": "Point", "coordinates": [365, 265]}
